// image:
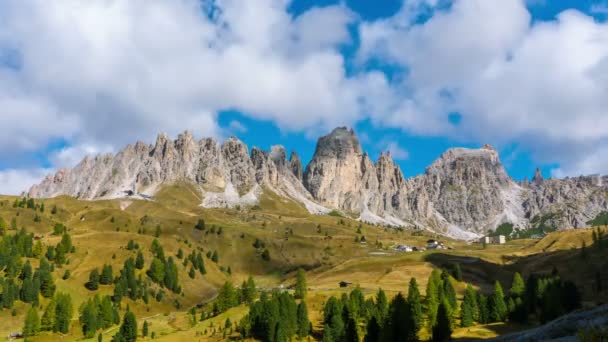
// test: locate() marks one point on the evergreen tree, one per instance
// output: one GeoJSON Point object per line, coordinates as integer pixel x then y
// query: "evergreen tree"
{"type": "Point", "coordinates": [300, 290]}
{"type": "Point", "coordinates": [248, 291]}
{"type": "Point", "coordinates": [448, 291]}
{"type": "Point", "coordinates": [382, 306]}
{"type": "Point", "coordinates": [303, 322]}
{"type": "Point", "coordinates": [400, 325]}
{"type": "Point", "coordinates": [156, 272]}
{"type": "Point", "coordinates": [215, 257]}
{"type": "Point", "coordinates": [144, 329]}
{"type": "Point", "coordinates": [482, 304]}
{"type": "Point", "coordinates": [372, 330]}
{"type": "Point", "coordinates": [93, 283]}
{"type": "Point", "coordinates": [414, 301]}
{"type": "Point", "coordinates": [442, 330]}
{"type": "Point", "coordinates": [63, 313]}
{"type": "Point", "coordinates": [128, 328]}
{"type": "Point", "coordinates": [200, 224]}
{"type": "Point", "coordinates": [89, 319]}
{"type": "Point", "coordinates": [432, 296]}
{"type": "Point", "coordinates": [457, 272]}
{"type": "Point", "coordinates": [106, 277]}
{"type": "Point", "coordinates": [139, 260]}
{"type": "Point", "coordinates": [517, 286]}
{"type": "Point", "coordinates": [468, 307]}
{"type": "Point", "coordinates": [497, 305]}
{"type": "Point", "coordinates": [48, 317]}
{"type": "Point", "coordinates": [351, 333]}
{"type": "Point", "coordinates": [31, 326]}
{"type": "Point", "coordinates": [332, 317]}
{"type": "Point", "coordinates": [47, 284]}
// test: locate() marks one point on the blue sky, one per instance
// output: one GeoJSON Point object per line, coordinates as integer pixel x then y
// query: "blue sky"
{"type": "Point", "coordinates": [415, 77]}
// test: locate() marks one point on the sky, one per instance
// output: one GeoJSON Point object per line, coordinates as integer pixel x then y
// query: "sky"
{"type": "Point", "coordinates": [413, 77]}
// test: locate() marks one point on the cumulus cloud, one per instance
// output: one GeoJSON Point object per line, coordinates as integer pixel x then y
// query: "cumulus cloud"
{"type": "Point", "coordinates": [16, 181]}
{"type": "Point", "coordinates": [397, 152]}
{"type": "Point", "coordinates": [110, 72]}
{"type": "Point", "coordinates": [511, 79]}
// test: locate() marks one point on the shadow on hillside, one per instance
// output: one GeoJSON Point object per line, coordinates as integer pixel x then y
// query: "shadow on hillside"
{"type": "Point", "coordinates": [571, 264]}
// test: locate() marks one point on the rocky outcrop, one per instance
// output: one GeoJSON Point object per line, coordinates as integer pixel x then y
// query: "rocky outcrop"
{"type": "Point", "coordinates": [463, 193]}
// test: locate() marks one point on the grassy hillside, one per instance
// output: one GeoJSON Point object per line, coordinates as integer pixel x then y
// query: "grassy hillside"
{"type": "Point", "coordinates": [327, 247]}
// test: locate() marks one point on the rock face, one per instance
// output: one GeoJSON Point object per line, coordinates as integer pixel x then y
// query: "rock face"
{"type": "Point", "coordinates": [463, 193]}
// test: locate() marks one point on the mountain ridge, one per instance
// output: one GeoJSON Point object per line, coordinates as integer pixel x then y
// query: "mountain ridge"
{"type": "Point", "coordinates": [463, 193]}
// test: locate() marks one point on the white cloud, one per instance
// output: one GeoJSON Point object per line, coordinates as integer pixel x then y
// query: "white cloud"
{"type": "Point", "coordinates": [541, 84]}
{"type": "Point", "coordinates": [236, 127]}
{"type": "Point", "coordinates": [16, 181]}
{"type": "Point", "coordinates": [109, 71]}
{"type": "Point", "coordinates": [397, 152]}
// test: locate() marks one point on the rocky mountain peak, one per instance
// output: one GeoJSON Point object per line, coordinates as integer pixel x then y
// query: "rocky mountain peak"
{"type": "Point", "coordinates": [465, 191]}
{"type": "Point", "coordinates": [538, 177]}
{"type": "Point", "coordinates": [295, 163]}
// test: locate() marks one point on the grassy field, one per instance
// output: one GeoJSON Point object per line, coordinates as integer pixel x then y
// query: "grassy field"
{"type": "Point", "coordinates": [324, 246]}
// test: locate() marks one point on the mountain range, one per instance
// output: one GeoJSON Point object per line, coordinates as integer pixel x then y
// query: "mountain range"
{"type": "Point", "coordinates": [462, 194]}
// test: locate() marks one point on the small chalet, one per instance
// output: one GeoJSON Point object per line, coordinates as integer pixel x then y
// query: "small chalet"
{"type": "Point", "coordinates": [345, 283]}
{"type": "Point", "coordinates": [404, 248]}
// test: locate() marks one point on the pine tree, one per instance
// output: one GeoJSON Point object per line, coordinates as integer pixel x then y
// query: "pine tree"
{"type": "Point", "coordinates": [89, 319]}
{"type": "Point", "coordinates": [482, 304]}
{"type": "Point", "coordinates": [497, 305]}
{"type": "Point", "coordinates": [128, 329]}
{"type": "Point", "coordinates": [31, 326]}
{"type": "Point", "coordinates": [382, 306]}
{"type": "Point", "coordinates": [442, 330]}
{"type": "Point", "coordinates": [63, 313]}
{"type": "Point", "coordinates": [156, 272]}
{"type": "Point", "coordinates": [300, 291]}
{"type": "Point", "coordinates": [518, 286]}
{"type": "Point", "coordinates": [93, 283]}
{"type": "Point", "coordinates": [48, 317]}
{"type": "Point", "coordinates": [144, 329]}
{"type": "Point", "coordinates": [457, 272]}
{"type": "Point", "coordinates": [448, 291]}
{"type": "Point", "coordinates": [372, 331]}
{"type": "Point", "coordinates": [399, 325]}
{"type": "Point", "coordinates": [303, 322]}
{"type": "Point", "coordinates": [215, 257]}
{"type": "Point", "coordinates": [351, 334]}
{"type": "Point", "coordinates": [139, 260]}
{"type": "Point", "coordinates": [414, 301]}
{"type": "Point", "coordinates": [332, 317]}
{"type": "Point", "coordinates": [106, 277]}
{"type": "Point", "coordinates": [432, 296]}
{"type": "Point", "coordinates": [467, 307]}
{"type": "Point", "coordinates": [248, 291]}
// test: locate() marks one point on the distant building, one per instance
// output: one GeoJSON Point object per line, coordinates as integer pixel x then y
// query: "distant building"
{"type": "Point", "coordinates": [537, 236]}
{"type": "Point", "coordinates": [434, 244]}
{"type": "Point", "coordinates": [344, 283]}
{"type": "Point", "coordinates": [404, 248]}
{"type": "Point", "coordinates": [497, 240]}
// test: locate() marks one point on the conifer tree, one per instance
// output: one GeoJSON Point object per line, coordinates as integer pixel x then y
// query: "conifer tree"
{"type": "Point", "coordinates": [63, 313]}
{"type": "Point", "coordinates": [106, 276]}
{"type": "Point", "coordinates": [48, 317]}
{"type": "Point", "coordinates": [517, 286]}
{"type": "Point", "coordinates": [128, 328]}
{"type": "Point", "coordinates": [248, 291]}
{"type": "Point", "coordinates": [442, 330]}
{"type": "Point", "coordinates": [448, 292]}
{"type": "Point", "coordinates": [497, 305]}
{"type": "Point", "coordinates": [93, 283]}
{"type": "Point", "coordinates": [372, 330]}
{"type": "Point", "coordinates": [414, 301]}
{"type": "Point", "coordinates": [303, 322]}
{"type": "Point", "coordinates": [144, 329]}
{"type": "Point", "coordinates": [351, 333]}
{"type": "Point", "coordinates": [31, 326]}
{"type": "Point", "coordinates": [482, 305]}
{"type": "Point", "coordinates": [332, 317]}
{"type": "Point", "coordinates": [468, 307]}
{"type": "Point", "coordinates": [432, 296]}
{"type": "Point", "coordinates": [300, 290]}
{"type": "Point", "coordinates": [382, 306]}
{"type": "Point", "coordinates": [139, 260]}
{"type": "Point", "coordinates": [89, 319]}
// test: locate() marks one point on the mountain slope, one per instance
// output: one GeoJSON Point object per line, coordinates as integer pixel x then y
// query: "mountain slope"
{"type": "Point", "coordinates": [465, 192]}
